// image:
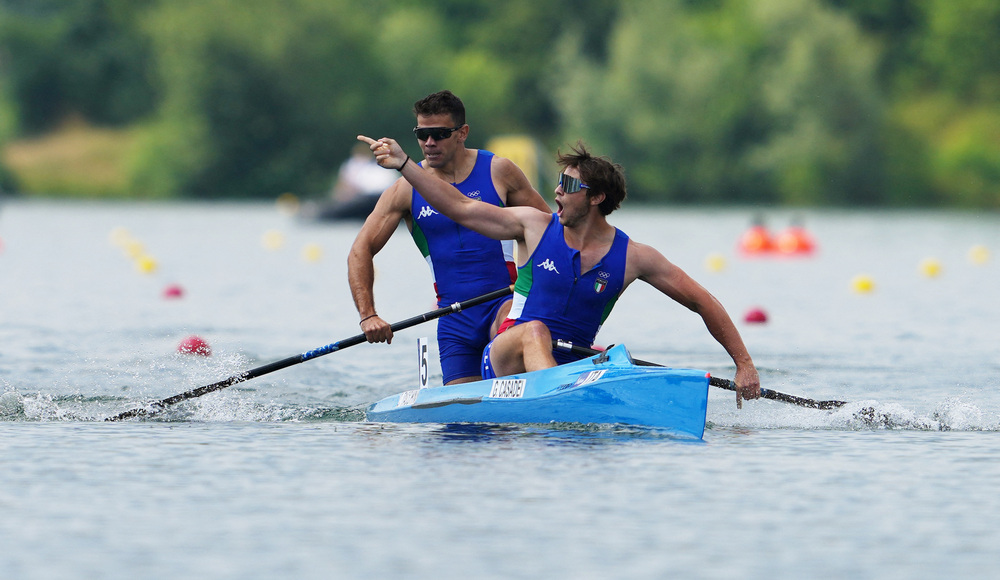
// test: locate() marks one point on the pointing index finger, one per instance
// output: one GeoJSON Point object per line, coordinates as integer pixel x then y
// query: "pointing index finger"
{"type": "Point", "coordinates": [367, 140]}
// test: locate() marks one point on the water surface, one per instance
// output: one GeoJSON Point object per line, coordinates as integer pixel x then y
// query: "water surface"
{"type": "Point", "coordinates": [280, 477]}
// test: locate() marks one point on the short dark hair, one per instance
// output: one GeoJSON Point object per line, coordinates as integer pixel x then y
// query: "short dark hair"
{"type": "Point", "coordinates": [441, 103]}
{"type": "Point", "coordinates": [600, 173]}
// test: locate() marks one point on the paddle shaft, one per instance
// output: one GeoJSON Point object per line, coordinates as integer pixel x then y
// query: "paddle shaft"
{"type": "Point", "coordinates": [715, 381]}
{"type": "Point", "coordinates": [301, 358]}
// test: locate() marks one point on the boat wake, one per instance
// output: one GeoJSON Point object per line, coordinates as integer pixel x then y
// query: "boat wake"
{"type": "Point", "coordinates": [950, 415]}
{"type": "Point", "coordinates": [231, 406]}
{"type": "Point", "coordinates": [238, 404]}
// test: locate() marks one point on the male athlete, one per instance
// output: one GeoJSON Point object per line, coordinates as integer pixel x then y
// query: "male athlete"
{"type": "Point", "coordinates": [574, 264]}
{"type": "Point", "coordinates": [464, 264]}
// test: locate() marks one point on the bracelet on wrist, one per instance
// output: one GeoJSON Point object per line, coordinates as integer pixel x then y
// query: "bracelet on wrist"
{"type": "Point", "coordinates": [366, 318]}
{"type": "Point", "coordinates": [405, 161]}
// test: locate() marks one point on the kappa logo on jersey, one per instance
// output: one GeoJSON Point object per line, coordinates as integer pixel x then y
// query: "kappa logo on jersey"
{"type": "Point", "coordinates": [426, 211]}
{"type": "Point", "coordinates": [548, 265]}
{"type": "Point", "coordinates": [602, 282]}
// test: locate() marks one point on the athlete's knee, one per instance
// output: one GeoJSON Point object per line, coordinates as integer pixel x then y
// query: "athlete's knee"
{"type": "Point", "coordinates": [536, 332]}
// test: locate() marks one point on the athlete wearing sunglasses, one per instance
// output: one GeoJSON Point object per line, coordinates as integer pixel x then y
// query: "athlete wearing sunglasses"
{"type": "Point", "coordinates": [573, 265]}
{"type": "Point", "coordinates": [436, 133]}
{"type": "Point", "coordinates": [464, 264]}
{"type": "Point", "coordinates": [570, 184]}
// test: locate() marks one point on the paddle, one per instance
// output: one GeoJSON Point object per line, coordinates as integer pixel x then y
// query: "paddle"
{"type": "Point", "coordinates": [715, 381]}
{"type": "Point", "coordinates": [158, 406]}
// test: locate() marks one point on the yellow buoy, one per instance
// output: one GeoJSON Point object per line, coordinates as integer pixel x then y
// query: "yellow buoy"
{"type": "Point", "coordinates": [715, 262]}
{"type": "Point", "coordinates": [272, 240]}
{"type": "Point", "coordinates": [979, 255]}
{"type": "Point", "coordinates": [312, 252]}
{"type": "Point", "coordinates": [930, 267]}
{"type": "Point", "coordinates": [146, 264]}
{"type": "Point", "coordinates": [134, 249]}
{"type": "Point", "coordinates": [120, 237]}
{"type": "Point", "coordinates": [862, 284]}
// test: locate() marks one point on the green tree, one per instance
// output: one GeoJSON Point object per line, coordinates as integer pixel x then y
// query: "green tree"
{"type": "Point", "coordinates": [819, 87]}
{"type": "Point", "coordinates": [259, 98]}
{"type": "Point", "coordinates": [947, 104]}
{"type": "Point", "coordinates": [766, 101]}
{"type": "Point", "coordinates": [503, 53]}
{"type": "Point", "coordinates": [268, 97]}
{"type": "Point", "coordinates": [83, 57]}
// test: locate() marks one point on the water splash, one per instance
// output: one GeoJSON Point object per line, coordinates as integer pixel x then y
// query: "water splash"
{"type": "Point", "coordinates": [950, 415]}
{"type": "Point", "coordinates": [11, 405]}
{"type": "Point", "coordinates": [955, 414]}
{"type": "Point", "coordinates": [874, 415]}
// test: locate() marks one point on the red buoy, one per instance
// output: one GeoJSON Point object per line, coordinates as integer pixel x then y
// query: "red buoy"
{"type": "Point", "coordinates": [194, 345]}
{"type": "Point", "coordinates": [173, 291]}
{"type": "Point", "coordinates": [755, 316]}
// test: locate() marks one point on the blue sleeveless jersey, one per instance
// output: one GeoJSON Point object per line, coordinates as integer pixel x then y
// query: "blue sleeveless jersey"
{"type": "Point", "coordinates": [464, 264]}
{"type": "Point", "coordinates": [572, 304]}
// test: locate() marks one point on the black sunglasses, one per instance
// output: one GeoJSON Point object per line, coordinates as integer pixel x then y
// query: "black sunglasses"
{"type": "Point", "coordinates": [438, 133]}
{"type": "Point", "coordinates": [571, 184]}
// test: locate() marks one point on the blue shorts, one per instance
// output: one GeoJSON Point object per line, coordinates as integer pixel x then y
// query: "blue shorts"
{"type": "Point", "coordinates": [486, 365]}
{"type": "Point", "coordinates": [462, 336]}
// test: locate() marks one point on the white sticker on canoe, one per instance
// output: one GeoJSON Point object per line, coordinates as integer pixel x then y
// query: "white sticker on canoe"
{"type": "Point", "coordinates": [507, 388]}
{"type": "Point", "coordinates": [589, 377]}
{"type": "Point", "coordinates": [407, 398]}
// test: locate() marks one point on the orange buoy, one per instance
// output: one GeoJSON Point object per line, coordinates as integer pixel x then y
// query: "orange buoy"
{"type": "Point", "coordinates": [795, 240]}
{"type": "Point", "coordinates": [756, 240]}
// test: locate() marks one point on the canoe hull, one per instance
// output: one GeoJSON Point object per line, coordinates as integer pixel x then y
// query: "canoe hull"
{"type": "Point", "coordinates": [606, 389]}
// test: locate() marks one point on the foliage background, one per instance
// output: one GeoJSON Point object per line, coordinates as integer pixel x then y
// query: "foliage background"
{"type": "Point", "coordinates": [796, 102]}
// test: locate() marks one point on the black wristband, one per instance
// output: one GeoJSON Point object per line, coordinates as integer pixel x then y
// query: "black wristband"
{"type": "Point", "coordinates": [366, 318]}
{"type": "Point", "coordinates": [400, 168]}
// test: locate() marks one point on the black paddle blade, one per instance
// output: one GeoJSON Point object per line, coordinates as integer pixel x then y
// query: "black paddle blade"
{"type": "Point", "coordinates": [776, 396]}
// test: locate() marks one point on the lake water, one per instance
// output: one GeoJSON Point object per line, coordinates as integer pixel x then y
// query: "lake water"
{"type": "Point", "coordinates": [280, 477]}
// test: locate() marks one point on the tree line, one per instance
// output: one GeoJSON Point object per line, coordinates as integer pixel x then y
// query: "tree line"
{"type": "Point", "coordinates": [799, 102]}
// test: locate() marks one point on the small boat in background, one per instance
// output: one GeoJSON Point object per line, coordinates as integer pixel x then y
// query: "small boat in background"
{"type": "Point", "coordinates": [608, 388]}
{"type": "Point", "coordinates": [356, 208]}
{"type": "Point", "coordinates": [359, 183]}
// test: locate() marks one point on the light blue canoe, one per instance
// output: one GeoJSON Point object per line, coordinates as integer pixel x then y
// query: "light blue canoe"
{"type": "Point", "coordinates": [607, 388]}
